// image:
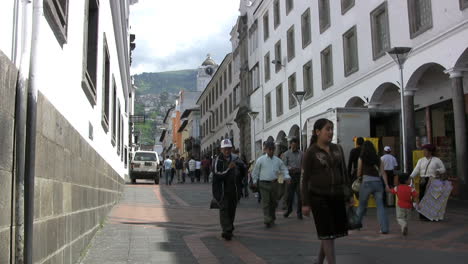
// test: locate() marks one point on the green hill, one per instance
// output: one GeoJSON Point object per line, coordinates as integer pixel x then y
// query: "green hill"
{"type": "Point", "coordinates": [171, 82]}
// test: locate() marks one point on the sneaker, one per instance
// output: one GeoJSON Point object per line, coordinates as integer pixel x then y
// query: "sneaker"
{"type": "Point", "coordinates": [226, 236]}
{"type": "Point", "coordinates": [268, 225]}
{"type": "Point", "coordinates": [384, 233]}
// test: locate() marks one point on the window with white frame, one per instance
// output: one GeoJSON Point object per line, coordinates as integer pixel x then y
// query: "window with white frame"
{"type": "Point", "coordinates": [463, 4]}
{"type": "Point", "coordinates": [420, 16]}
{"type": "Point", "coordinates": [289, 6]}
{"type": "Point", "coordinates": [268, 107]}
{"type": "Point", "coordinates": [267, 68]}
{"type": "Point", "coordinates": [291, 49]}
{"type": "Point", "coordinates": [307, 76]}
{"type": "Point", "coordinates": [380, 31]}
{"type": "Point", "coordinates": [324, 15]}
{"type": "Point", "coordinates": [276, 13]}
{"type": "Point", "coordinates": [56, 14]}
{"type": "Point", "coordinates": [346, 5]}
{"type": "Point", "coordinates": [278, 56]}
{"type": "Point", "coordinates": [90, 52]}
{"type": "Point", "coordinates": [279, 99]}
{"type": "Point", "coordinates": [326, 60]}
{"type": "Point", "coordinates": [306, 28]}
{"type": "Point", "coordinates": [266, 27]}
{"type": "Point", "coordinates": [292, 88]}
{"type": "Point", "coordinates": [350, 51]}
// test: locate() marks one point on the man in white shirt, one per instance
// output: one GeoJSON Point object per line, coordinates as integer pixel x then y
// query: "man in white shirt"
{"type": "Point", "coordinates": [192, 167]}
{"type": "Point", "coordinates": [167, 169]}
{"type": "Point", "coordinates": [267, 171]}
{"type": "Point", "coordinates": [390, 164]}
{"type": "Point", "coordinates": [197, 170]}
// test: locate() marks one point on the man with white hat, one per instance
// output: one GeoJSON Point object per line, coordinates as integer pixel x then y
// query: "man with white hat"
{"type": "Point", "coordinates": [228, 173]}
{"type": "Point", "coordinates": [390, 164]}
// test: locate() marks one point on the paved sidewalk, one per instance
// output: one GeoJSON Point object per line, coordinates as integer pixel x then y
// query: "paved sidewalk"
{"type": "Point", "coordinates": [172, 224]}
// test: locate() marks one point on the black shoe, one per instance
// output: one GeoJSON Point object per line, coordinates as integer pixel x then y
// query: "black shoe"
{"type": "Point", "coordinates": [226, 236]}
{"type": "Point", "coordinates": [299, 216]}
{"type": "Point", "coordinates": [268, 225]}
{"type": "Point", "coordinates": [286, 215]}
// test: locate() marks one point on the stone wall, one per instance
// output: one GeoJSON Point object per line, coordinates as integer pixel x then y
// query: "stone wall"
{"type": "Point", "coordinates": [8, 77]}
{"type": "Point", "coordinates": [74, 189]}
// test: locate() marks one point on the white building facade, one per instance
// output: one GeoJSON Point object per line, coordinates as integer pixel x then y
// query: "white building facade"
{"type": "Point", "coordinates": [335, 51]}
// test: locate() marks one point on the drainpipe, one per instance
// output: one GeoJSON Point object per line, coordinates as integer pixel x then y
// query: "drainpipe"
{"type": "Point", "coordinates": [23, 63]}
{"type": "Point", "coordinates": [31, 133]}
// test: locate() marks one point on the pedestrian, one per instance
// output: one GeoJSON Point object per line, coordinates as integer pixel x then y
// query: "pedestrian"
{"type": "Point", "coordinates": [390, 164]}
{"type": "Point", "coordinates": [268, 169]}
{"type": "Point", "coordinates": [228, 173]}
{"type": "Point", "coordinates": [407, 195]}
{"type": "Point", "coordinates": [245, 181]}
{"type": "Point", "coordinates": [197, 169]}
{"type": "Point", "coordinates": [430, 168]}
{"type": "Point", "coordinates": [206, 164]}
{"type": "Point", "coordinates": [173, 170]}
{"type": "Point", "coordinates": [167, 168]}
{"type": "Point", "coordinates": [353, 159]}
{"type": "Point", "coordinates": [371, 170]}
{"type": "Point", "coordinates": [283, 188]}
{"type": "Point", "coordinates": [326, 189]}
{"type": "Point", "coordinates": [293, 161]}
{"type": "Point", "coordinates": [179, 167]}
{"type": "Point", "coordinates": [184, 169]}
{"type": "Point", "coordinates": [192, 168]}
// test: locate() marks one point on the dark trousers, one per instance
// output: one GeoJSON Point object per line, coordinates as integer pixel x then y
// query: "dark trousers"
{"type": "Point", "coordinates": [390, 181]}
{"type": "Point", "coordinates": [269, 192]}
{"type": "Point", "coordinates": [227, 213]}
{"type": "Point", "coordinates": [422, 191]}
{"type": "Point", "coordinates": [295, 189]}
{"type": "Point", "coordinates": [197, 175]}
{"type": "Point", "coordinates": [206, 173]}
{"type": "Point", "coordinates": [192, 176]}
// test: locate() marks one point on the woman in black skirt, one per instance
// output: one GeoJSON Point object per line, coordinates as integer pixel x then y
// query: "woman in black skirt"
{"type": "Point", "coordinates": [326, 189]}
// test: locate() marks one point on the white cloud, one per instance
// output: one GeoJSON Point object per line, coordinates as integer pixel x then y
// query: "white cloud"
{"type": "Point", "coordinates": [177, 34]}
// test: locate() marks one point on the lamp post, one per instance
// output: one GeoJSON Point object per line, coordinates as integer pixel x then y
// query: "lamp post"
{"type": "Point", "coordinates": [399, 55]}
{"type": "Point", "coordinates": [299, 95]}
{"type": "Point", "coordinates": [253, 115]}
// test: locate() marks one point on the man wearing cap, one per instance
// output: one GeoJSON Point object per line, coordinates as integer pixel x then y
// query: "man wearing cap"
{"type": "Point", "coordinates": [267, 170]}
{"type": "Point", "coordinates": [390, 164]}
{"type": "Point", "coordinates": [293, 161]}
{"type": "Point", "coordinates": [228, 173]}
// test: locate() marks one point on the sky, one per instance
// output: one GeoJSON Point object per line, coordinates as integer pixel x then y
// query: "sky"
{"type": "Point", "coordinates": [178, 34]}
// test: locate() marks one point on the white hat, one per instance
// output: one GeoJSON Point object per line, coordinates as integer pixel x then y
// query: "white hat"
{"type": "Point", "coordinates": [387, 149]}
{"type": "Point", "coordinates": [226, 143]}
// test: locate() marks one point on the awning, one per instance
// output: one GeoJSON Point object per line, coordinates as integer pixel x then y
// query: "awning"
{"type": "Point", "coordinates": [161, 139]}
{"type": "Point", "coordinates": [182, 127]}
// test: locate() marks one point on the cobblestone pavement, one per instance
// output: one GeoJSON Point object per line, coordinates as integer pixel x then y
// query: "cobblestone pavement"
{"type": "Point", "coordinates": [172, 224]}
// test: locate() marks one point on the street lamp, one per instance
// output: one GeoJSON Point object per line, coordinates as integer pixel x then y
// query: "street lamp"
{"type": "Point", "coordinates": [253, 115]}
{"type": "Point", "coordinates": [399, 55]}
{"type": "Point", "coordinates": [299, 95]}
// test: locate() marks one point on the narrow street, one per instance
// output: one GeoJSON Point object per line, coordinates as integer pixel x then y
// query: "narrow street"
{"type": "Point", "coordinates": [172, 224]}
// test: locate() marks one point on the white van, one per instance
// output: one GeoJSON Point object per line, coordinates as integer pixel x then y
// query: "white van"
{"type": "Point", "coordinates": [145, 165]}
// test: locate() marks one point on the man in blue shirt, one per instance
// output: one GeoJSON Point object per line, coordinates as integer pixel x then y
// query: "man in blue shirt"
{"type": "Point", "coordinates": [167, 168]}
{"type": "Point", "coordinates": [268, 170]}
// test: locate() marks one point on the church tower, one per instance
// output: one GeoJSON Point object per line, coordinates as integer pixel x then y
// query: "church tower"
{"type": "Point", "coordinates": [205, 73]}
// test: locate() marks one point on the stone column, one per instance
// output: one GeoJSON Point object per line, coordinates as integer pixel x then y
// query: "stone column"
{"type": "Point", "coordinates": [461, 146]}
{"type": "Point", "coordinates": [410, 126]}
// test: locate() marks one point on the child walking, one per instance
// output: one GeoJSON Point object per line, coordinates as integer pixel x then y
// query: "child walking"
{"type": "Point", "coordinates": [406, 196]}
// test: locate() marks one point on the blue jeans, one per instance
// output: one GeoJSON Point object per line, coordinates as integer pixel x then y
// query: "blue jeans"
{"type": "Point", "coordinates": [168, 174]}
{"type": "Point", "coordinates": [375, 188]}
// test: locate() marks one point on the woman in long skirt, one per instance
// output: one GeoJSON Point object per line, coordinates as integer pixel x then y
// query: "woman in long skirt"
{"type": "Point", "coordinates": [326, 189]}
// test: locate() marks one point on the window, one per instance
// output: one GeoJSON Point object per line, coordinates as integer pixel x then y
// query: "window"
{"type": "Point", "coordinates": [346, 5]}
{"type": "Point", "coordinates": [289, 6]}
{"type": "Point", "coordinates": [230, 73]}
{"type": "Point", "coordinates": [380, 31]}
{"type": "Point", "coordinates": [225, 80]}
{"type": "Point", "coordinates": [216, 92]}
{"type": "Point", "coordinates": [268, 107]}
{"type": "Point", "coordinates": [327, 67]}
{"type": "Point", "coordinates": [237, 96]}
{"type": "Point", "coordinates": [225, 108]}
{"type": "Point", "coordinates": [291, 44]}
{"type": "Point", "coordinates": [278, 56]}
{"type": "Point", "coordinates": [350, 51]}
{"type": "Point", "coordinates": [324, 15]}
{"type": "Point", "coordinates": [255, 77]}
{"type": "Point", "coordinates": [114, 110]}
{"type": "Point", "coordinates": [279, 100]}
{"type": "Point", "coordinates": [221, 113]}
{"type": "Point", "coordinates": [56, 14]}
{"type": "Point", "coordinates": [217, 117]}
{"type": "Point", "coordinates": [276, 13]}
{"type": "Point", "coordinates": [90, 51]}
{"type": "Point", "coordinates": [105, 89]}
{"type": "Point", "coordinates": [230, 103]}
{"type": "Point", "coordinates": [308, 79]}
{"type": "Point", "coordinates": [420, 16]}
{"type": "Point", "coordinates": [305, 28]}
{"type": "Point", "coordinates": [266, 62]}
{"type": "Point", "coordinates": [121, 137]}
{"type": "Point", "coordinates": [253, 35]}
{"type": "Point", "coordinates": [291, 89]}
{"type": "Point", "coordinates": [119, 128]}
{"type": "Point", "coordinates": [266, 29]}
{"type": "Point", "coordinates": [463, 4]}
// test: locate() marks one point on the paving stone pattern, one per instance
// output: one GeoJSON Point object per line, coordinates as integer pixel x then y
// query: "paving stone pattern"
{"type": "Point", "coordinates": [172, 224]}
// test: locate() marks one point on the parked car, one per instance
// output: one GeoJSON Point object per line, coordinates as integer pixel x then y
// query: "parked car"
{"type": "Point", "coordinates": [145, 165]}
